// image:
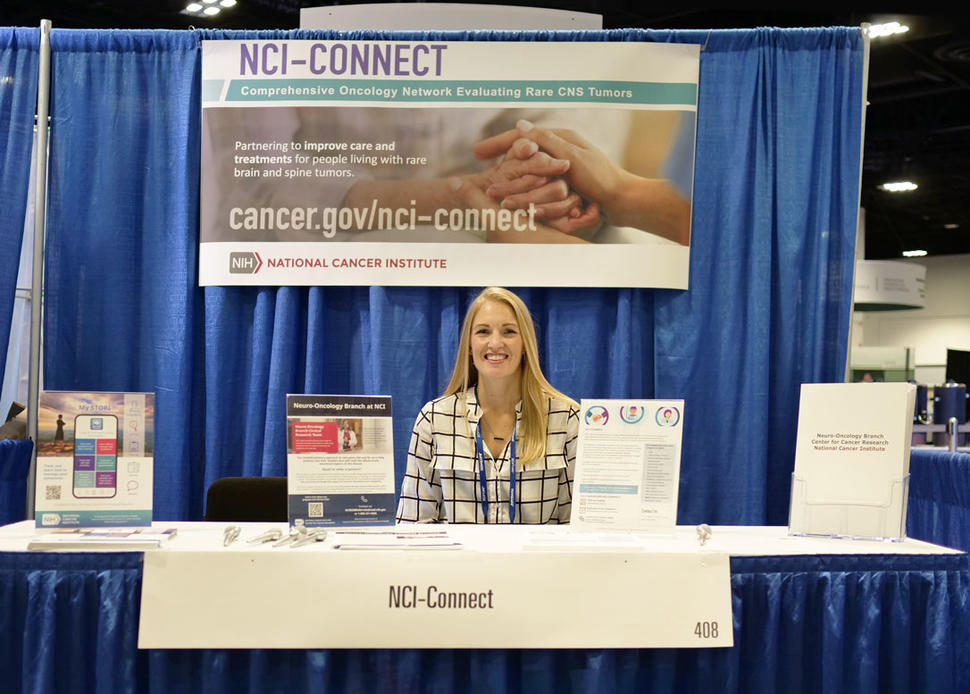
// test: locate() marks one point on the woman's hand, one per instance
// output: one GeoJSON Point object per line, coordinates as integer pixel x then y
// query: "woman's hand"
{"type": "Point", "coordinates": [579, 219]}
{"type": "Point", "coordinates": [625, 199]}
{"type": "Point", "coordinates": [591, 173]}
{"type": "Point", "coordinates": [552, 200]}
{"type": "Point", "coordinates": [466, 190]}
{"type": "Point", "coordinates": [534, 177]}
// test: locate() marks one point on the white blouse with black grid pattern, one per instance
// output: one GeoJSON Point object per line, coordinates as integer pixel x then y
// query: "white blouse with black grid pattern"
{"type": "Point", "coordinates": [441, 480]}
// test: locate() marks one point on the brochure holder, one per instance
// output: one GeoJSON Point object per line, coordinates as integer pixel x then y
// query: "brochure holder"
{"type": "Point", "coordinates": [858, 521]}
{"type": "Point", "coordinates": [851, 475]}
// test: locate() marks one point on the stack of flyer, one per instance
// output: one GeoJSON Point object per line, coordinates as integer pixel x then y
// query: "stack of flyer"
{"type": "Point", "coordinates": [101, 540]}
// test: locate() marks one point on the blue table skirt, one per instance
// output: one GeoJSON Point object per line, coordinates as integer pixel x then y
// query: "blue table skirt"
{"type": "Point", "coordinates": [939, 497]}
{"type": "Point", "coordinates": [852, 624]}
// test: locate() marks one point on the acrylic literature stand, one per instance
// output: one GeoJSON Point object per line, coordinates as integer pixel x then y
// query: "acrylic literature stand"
{"type": "Point", "coordinates": [851, 475]}
{"type": "Point", "coordinates": [883, 519]}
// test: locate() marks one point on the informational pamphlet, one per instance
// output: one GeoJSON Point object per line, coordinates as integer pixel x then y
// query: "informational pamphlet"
{"type": "Point", "coordinates": [340, 460]}
{"type": "Point", "coordinates": [94, 459]}
{"type": "Point", "coordinates": [628, 465]}
{"type": "Point", "coordinates": [852, 459]}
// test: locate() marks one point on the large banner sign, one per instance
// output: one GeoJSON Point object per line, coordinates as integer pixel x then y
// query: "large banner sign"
{"type": "Point", "coordinates": [447, 163]}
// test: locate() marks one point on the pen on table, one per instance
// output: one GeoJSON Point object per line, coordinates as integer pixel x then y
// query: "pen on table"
{"type": "Point", "coordinates": [295, 532]}
{"type": "Point", "coordinates": [229, 535]}
{"type": "Point", "coordinates": [317, 535]}
{"type": "Point", "coordinates": [268, 536]}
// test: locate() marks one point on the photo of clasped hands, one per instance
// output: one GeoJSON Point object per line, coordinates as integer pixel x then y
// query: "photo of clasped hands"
{"type": "Point", "coordinates": [573, 186]}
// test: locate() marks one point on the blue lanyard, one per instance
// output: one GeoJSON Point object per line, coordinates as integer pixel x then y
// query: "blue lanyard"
{"type": "Point", "coordinates": [482, 477]}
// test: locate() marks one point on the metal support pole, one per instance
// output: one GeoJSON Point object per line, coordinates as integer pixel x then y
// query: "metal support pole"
{"type": "Point", "coordinates": [40, 225]}
{"type": "Point", "coordinates": [860, 218]}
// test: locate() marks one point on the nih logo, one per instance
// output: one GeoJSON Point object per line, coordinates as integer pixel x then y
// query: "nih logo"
{"type": "Point", "coordinates": [244, 263]}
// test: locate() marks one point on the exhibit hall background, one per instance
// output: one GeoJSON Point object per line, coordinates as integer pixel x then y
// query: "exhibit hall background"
{"type": "Point", "coordinates": [943, 322]}
{"type": "Point", "coordinates": [772, 248]}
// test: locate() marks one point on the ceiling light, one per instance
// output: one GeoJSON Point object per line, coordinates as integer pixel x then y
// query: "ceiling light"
{"type": "Point", "coordinates": [899, 186]}
{"type": "Point", "coordinates": [207, 8]}
{"type": "Point", "coordinates": [888, 29]}
{"type": "Point", "coordinates": [951, 226]}
{"type": "Point", "coordinates": [914, 254]}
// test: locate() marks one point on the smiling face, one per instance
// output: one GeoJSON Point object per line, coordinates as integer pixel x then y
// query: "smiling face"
{"type": "Point", "coordinates": [496, 342]}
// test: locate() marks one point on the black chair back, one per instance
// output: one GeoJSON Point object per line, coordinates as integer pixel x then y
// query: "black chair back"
{"type": "Point", "coordinates": [257, 499]}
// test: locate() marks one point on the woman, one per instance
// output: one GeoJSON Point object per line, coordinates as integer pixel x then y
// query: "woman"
{"type": "Point", "coordinates": [500, 445]}
{"type": "Point", "coordinates": [348, 438]}
{"type": "Point", "coordinates": [59, 433]}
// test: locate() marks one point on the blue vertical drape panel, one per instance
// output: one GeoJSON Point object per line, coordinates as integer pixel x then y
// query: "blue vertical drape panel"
{"type": "Point", "coordinates": [875, 624]}
{"type": "Point", "coordinates": [773, 238]}
{"type": "Point", "coordinates": [14, 468]}
{"type": "Point", "coordinates": [122, 309]}
{"type": "Point", "coordinates": [18, 98]}
{"type": "Point", "coordinates": [775, 202]}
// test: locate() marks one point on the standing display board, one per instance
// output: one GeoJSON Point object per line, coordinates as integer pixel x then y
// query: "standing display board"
{"type": "Point", "coordinates": [340, 460]}
{"type": "Point", "coordinates": [94, 459]}
{"type": "Point", "coordinates": [628, 465]}
{"type": "Point", "coordinates": [415, 162]}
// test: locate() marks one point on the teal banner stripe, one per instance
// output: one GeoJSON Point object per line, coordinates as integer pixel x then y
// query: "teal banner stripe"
{"type": "Point", "coordinates": [212, 89]}
{"type": "Point", "coordinates": [608, 488]}
{"type": "Point", "coordinates": [482, 91]}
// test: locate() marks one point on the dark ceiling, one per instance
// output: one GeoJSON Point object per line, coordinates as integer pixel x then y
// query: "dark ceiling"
{"type": "Point", "coordinates": [917, 123]}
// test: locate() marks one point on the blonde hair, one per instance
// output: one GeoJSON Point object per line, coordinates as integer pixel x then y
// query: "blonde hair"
{"type": "Point", "coordinates": [536, 390]}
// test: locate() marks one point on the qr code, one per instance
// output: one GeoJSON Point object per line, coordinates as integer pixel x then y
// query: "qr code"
{"type": "Point", "coordinates": [315, 509]}
{"type": "Point", "coordinates": [52, 492]}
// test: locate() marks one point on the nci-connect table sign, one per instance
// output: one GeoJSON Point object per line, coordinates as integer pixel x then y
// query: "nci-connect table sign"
{"type": "Point", "coordinates": [331, 598]}
{"type": "Point", "coordinates": [415, 162]}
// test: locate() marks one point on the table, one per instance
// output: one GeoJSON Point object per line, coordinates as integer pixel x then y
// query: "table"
{"type": "Point", "coordinates": [835, 620]}
{"type": "Point", "coordinates": [939, 496]}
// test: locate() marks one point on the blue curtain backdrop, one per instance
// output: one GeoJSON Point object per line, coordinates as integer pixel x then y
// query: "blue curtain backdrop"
{"type": "Point", "coordinates": [775, 201]}
{"type": "Point", "coordinates": [18, 99]}
{"type": "Point", "coordinates": [14, 467]}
